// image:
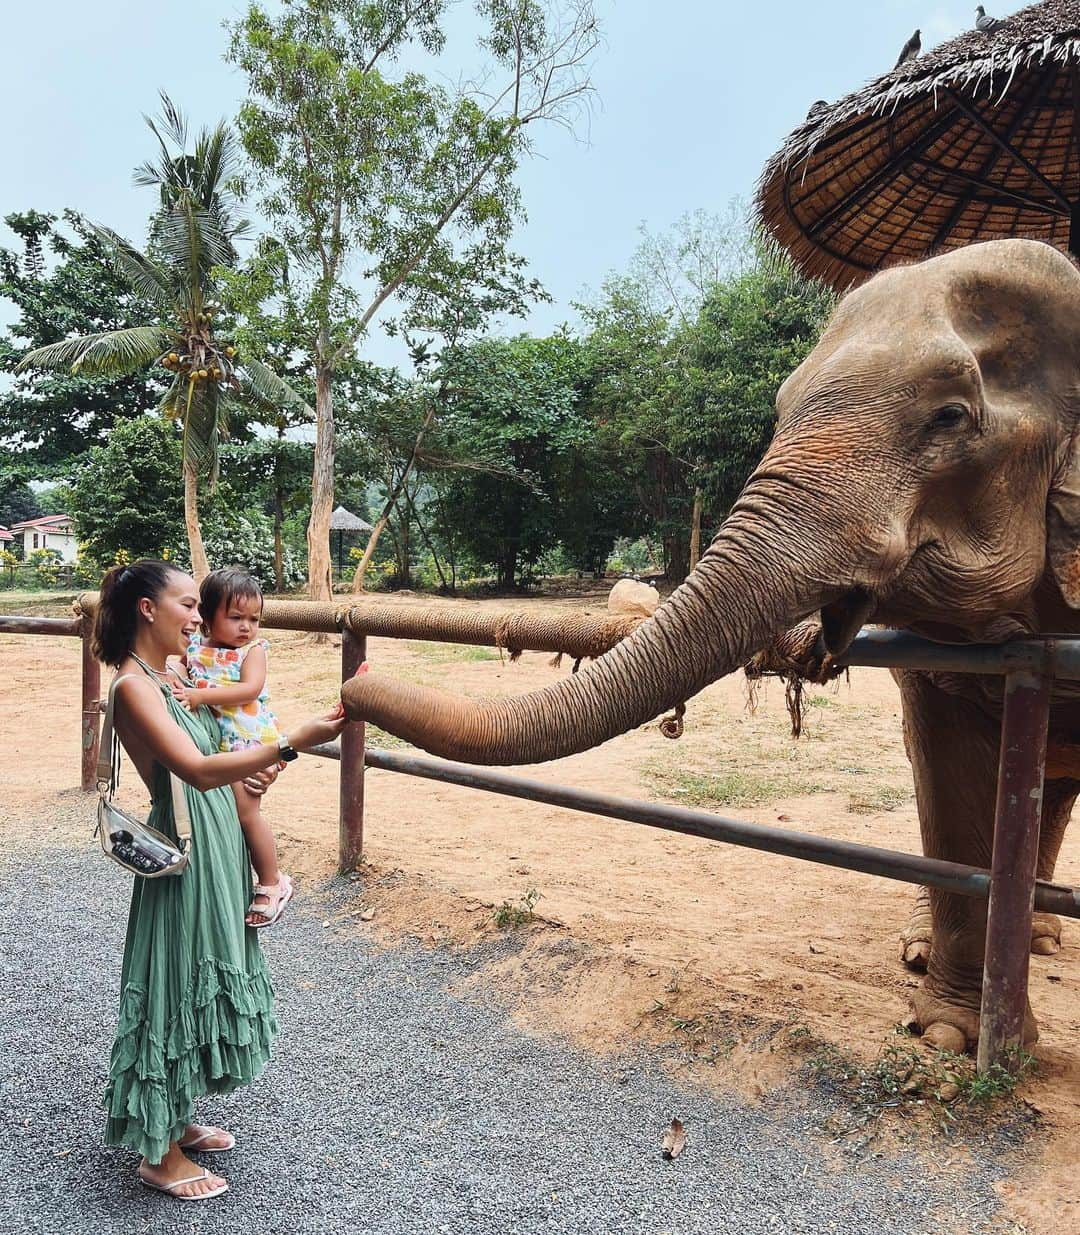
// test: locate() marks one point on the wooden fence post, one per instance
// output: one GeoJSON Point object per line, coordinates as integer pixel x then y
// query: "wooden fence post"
{"type": "Point", "coordinates": [91, 708]}
{"type": "Point", "coordinates": [351, 804]}
{"type": "Point", "coordinates": [1012, 875]}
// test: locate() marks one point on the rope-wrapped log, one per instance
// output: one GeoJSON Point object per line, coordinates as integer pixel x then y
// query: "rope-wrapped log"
{"type": "Point", "coordinates": [573, 634]}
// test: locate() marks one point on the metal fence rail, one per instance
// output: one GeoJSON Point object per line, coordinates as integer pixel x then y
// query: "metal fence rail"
{"type": "Point", "coordinates": [1029, 667]}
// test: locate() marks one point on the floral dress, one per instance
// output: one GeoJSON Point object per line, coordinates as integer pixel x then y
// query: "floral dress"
{"type": "Point", "coordinates": [245, 724]}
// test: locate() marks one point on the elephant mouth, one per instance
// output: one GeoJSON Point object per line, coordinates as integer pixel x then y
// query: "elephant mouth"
{"type": "Point", "coordinates": [843, 618]}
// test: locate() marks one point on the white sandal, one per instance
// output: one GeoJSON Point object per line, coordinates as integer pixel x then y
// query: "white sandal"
{"type": "Point", "coordinates": [169, 1189]}
{"type": "Point", "coordinates": [204, 1133]}
{"type": "Point", "coordinates": [276, 900]}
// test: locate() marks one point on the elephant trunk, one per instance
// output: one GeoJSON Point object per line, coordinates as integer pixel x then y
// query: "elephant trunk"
{"type": "Point", "coordinates": [750, 584]}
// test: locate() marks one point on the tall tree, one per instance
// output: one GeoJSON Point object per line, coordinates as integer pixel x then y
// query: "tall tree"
{"type": "Point", "coordinates": [397, 177]}
{"type": "Point", "coordinates": [751, 332]}
{"type": "Point", "coordinates": [191, 234]}
{"type": "Point", "coordinates": [126, 494]}
{"type": "Point", "coordinates": [63, 282]}
{"type": "Point", "coordinates": [515, 414]}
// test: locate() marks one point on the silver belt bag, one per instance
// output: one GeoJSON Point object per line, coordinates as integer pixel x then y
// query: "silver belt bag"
{"type": "Point", "coordinates": [130, 841]}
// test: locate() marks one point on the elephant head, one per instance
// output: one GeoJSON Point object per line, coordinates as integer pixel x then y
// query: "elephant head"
{"type": "Point", "coordinates": [923, 472]}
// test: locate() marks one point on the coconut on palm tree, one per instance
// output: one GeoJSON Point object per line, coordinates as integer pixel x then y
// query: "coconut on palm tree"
{"type": "Point", "coordinates": [193, 232]}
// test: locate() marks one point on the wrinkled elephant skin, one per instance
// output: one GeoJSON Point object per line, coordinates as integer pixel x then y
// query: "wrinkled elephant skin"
{"type": "Point", "coordinates": [923, 474]}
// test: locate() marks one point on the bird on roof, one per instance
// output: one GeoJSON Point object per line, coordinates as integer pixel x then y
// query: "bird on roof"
{"type": "Point", "coordinates": [986, 24]}
{"type": "Point", "coordinates": [910, 50]}
{"type": "Point", "coordinates": [816, 109]}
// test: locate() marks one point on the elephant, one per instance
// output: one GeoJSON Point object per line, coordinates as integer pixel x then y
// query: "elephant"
{"type": "Point", "coordinates": [923, 474]}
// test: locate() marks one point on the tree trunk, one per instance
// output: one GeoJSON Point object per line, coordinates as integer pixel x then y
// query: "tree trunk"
{"type": "Point", "coordinates": [695, 531]}
{"type": "Point", "coordinates": [279, 565]}
{"type": "Point", "coordinates": [404, 556]}
{"type": "Point", "coordinates": [392, 497]}
{"type": "Point", "coordinates": [200, 567]}
{"type": "Point", "coordinates": [676, 555]}
{"type": "Point", "coordinates": [426, 539]}
{"type": "Point", "coordinates": [320, 585]}
{"type": "Point", "coordinates": [369, 548]}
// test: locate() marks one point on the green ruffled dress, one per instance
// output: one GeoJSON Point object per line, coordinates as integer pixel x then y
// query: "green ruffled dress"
{"type": "Point", "coordinates": [196, 1004]}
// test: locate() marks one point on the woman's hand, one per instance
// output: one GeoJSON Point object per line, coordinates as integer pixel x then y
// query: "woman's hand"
{"type": "Point", "coordinates": [317, 730]}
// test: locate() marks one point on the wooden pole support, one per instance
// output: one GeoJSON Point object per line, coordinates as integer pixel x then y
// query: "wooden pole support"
{"type": "Point", "coordinates": [351, 806]}
{"type": "Point", "coordinates": [91, 708]}
{"type": "Point", "coordinates": [1012, 873]}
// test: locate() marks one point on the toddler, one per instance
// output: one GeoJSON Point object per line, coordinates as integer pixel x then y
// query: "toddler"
{"type": "Point", "coordinates": [227, 666]}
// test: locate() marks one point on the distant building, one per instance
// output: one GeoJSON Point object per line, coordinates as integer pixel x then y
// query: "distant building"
{"type": "Point", "coordinates": [49, 532]}
{"type": "Point", "coordinates": [5, 538]}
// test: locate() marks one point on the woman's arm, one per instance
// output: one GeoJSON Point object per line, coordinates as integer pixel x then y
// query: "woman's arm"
{"type": "Point", "coordinates": [247, 690]}
{"type": "Point", "coordinates": [144, 715]}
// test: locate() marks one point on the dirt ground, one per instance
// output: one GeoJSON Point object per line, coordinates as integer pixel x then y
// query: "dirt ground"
{"type": "Point", "coordinates": [756, 965]}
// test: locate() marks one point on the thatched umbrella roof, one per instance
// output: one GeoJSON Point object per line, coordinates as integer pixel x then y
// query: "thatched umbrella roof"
{"type": "Point", "coordinates": [973, 141]}
{"type": "Point", "coordinates": [343, 520]}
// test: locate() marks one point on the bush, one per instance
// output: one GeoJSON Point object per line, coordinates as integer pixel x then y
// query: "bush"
{"type": "Point", "coordinates": [46, 564]}
{"type": "Point", "coordinates": [634, 557]}
{"type": "Point", "coordinates": [8, 565]}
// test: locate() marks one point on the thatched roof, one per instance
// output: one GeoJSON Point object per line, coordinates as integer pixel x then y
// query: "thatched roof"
{"type": "Point", "coordinates": [971, 141]}
{"type": "Point", "coordinates": [343, 520]}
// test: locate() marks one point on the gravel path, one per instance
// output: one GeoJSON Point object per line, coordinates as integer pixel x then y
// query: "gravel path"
{"type": "Point", "coordinates": [394, 1106]}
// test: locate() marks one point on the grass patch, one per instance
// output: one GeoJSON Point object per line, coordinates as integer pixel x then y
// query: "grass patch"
{"type": "Point", "coordinates": [452, 653]}
{"type": "Point", "coordinates": [38, 603]}
{"type": "Point", "coordinates": [871, 801]}
{"type": "Point", "coordinates": [818, 701]}
{"type": "Point", "coordinates": [905, 1079]}
{"type": "Point", "coordinates": [512, 915]}
{"type": "Point", "coordinates": [725, 788]}
{"type": "Point", "coordinates": [374, 736]}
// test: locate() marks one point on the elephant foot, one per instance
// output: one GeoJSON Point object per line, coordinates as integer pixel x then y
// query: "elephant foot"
{"type": "Point", "coordinates": [917, 936]}
{"type": "Point", "coordinates": [1045, 934]}
{"type": "Point", "coordinates": [952, 1023]}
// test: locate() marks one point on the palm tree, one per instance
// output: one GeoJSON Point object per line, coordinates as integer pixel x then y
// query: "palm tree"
{"type": "Point", "coordinates": [193, 232]}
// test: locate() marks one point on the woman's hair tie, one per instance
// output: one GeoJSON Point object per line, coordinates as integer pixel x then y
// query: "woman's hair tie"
{"type": "Point", "coordinates": [125, 575]}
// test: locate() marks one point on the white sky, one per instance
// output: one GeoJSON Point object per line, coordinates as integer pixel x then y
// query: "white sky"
{"type": "Point", "coordinates": [693, 96]}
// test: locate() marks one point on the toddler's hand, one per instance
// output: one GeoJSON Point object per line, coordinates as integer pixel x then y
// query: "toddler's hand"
{"type": "Point", "coordinates": [180, 694]}
{"type": "Point", "coordinates": [339, 707]}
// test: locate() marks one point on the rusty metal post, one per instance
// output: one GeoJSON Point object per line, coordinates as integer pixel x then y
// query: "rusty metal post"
{"type": "Point", "coordinates": [91, 710]}
{"type": "Point", "coordinates": [351, 806]}
{"type": "Point", "coordinates": [1012, 873]}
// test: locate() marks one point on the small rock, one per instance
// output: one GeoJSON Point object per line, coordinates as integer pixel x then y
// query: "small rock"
{"type": "Point", "coordinates": [949, 1092]}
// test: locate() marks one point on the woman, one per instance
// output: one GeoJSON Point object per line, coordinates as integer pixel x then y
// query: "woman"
{"type": "Point", "coordinates": [196, 1005]}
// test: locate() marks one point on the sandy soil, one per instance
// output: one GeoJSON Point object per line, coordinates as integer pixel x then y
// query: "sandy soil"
{"type": "Point", "coordinates": [742, 957]}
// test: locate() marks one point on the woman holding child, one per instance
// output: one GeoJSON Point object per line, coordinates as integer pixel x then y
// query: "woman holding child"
{"type": "Point", "coordinates": [196, 1004]}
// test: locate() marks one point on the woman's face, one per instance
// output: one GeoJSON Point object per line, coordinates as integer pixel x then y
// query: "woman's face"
{"type": "Point", "coordinates": [174, 616]}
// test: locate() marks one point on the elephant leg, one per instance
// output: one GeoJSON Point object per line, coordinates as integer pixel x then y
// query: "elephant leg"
{"type": "Point", "coordinates": [917, 937]}
{"type": "Point", "coordinates": [953, 747]}
{"type": "Point", "coordinates": [1058, 799]}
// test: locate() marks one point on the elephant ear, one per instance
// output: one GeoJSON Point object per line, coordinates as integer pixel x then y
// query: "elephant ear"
{"type": "Point", "coordinates": [1063, 528]}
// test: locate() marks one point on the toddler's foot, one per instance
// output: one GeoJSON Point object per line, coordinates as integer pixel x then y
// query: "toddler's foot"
{"type": "Point", "coordinates": [269, 902]}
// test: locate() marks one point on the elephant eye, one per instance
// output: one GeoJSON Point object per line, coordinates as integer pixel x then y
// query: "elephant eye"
{"type": "Point", "coordinates": [949, 416]}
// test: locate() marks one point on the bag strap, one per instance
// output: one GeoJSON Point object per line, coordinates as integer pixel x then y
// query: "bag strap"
{"type": "Point", "coordinates": [108, 769]}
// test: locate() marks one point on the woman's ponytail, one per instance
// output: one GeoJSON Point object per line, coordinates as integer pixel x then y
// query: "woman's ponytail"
{"type": "Point", "coordinates": [118, 605]}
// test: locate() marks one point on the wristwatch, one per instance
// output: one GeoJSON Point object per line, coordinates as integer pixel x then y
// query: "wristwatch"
{"type": "Point", "coordinates": [287, 753]}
